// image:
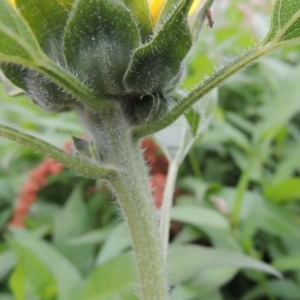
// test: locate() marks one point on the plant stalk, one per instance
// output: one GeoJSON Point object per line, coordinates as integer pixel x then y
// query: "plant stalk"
{"type": "Point", "coordinates": [113, 140]}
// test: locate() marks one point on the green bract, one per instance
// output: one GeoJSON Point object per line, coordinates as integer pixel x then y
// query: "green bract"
{"type": "Point", "coordinates": [111, 47]}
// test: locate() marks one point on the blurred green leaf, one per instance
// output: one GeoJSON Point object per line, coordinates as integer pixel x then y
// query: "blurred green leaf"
{"type": "Point", "coordinates": [281, 289]}
{"type": "Point", "coordinates": [92, 237]}
{"type": "Point", "coordinates": [186, 261]}
{"type": "Point", "coordinates": [7, 262]}
{"type": "Point", "coordinates": [32, 278]}
{"type": "Point", "coordinates": [6, 297]}
{"type": "Point", "coordinates": [275, 220]}
{"type": "Point", "coordinates": [72, 221]}
{"type": "Point", "coordinates": [287, 263]}
{"type": "Point", "coordinates": [113, 280]}
{"type": "Point", "coordinates": [277, 106]}
{"type": "Point", "coordinates": [66, 276]}
{"type": "Point", "coordinates": [195, 185]}
{"type": "Point", "coordinates": [211, 222]}
{"type": "Point", "coordinates": [199, 216]}
{"type": "Point", "coordinates": [286, 190]}
{"type": "Point", "coordinates": [116, 243]}
{"type": "Point", "coordinates": [187, 292]}
{"type": "Point", "coordinates": [204, 285]}
{"type": "Point", "coordinates": [17, 281]}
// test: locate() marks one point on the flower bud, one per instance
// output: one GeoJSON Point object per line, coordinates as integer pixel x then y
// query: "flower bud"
{"type": "Point", "coordinates": [123, 50]}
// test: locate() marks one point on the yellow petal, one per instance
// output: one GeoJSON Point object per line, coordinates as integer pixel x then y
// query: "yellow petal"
{"type": "Point", "coordinates": [194, 6]}
{"type": "Point", "coordinates": [12, 2]}
{"type": "Point", "coordinates": [155, 9]}
{"type": "Point", "coordinates": [157, 5]}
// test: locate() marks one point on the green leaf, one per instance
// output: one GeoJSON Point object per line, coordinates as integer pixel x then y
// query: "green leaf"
{"type": "Point", "coordinates": [32, 277]}
{"type": "Point", "coordinates": [18, 43]}
{"type": "Point", "coordinates": [285, 190]}
{"type": "Point", "coordinates": [186, 261]}
{"type": "Point", "coordinates": [17, 281]}
{"type": "Point", "coordinates": [222, 239]}
{"type": "Point", "coordinates": [66, 275]}
{"type": "Point", "coordinates": [287, 263]}
{"type": "Point", "coordinates": [114, 280]}
{"type": "Point", "coordinates": [67, 4]}
{"type": "Point", "coordinates": [187, 291]}
{"type": "Point", "coordinates": [269, 127]}
{"type": "Point", "coordinates": [273, 219]}
{"type": "Point", "coordinates": [155, 64]}
{"type": "Point", "coordinates": [203, 285]}
{"type": "Point", "coordinates": [141, 13]}
{"type": "Point", "coordinates": [199, 216]}
{"type": "Point", "coordinates": [285, 23]}
{"type": "Point", "coordinates": [280, 289]}
{"type": "Point", "coordinates": [212, 223]}
{"type": "Point", "coordinates": [287, 166]}
{"type": "Point", "coordinates": [6, 297]}
{"type": "Point", "coordinates": [116, 243]}
{"type": "Point", "coordinates": [47, 20]}
{"type": "Point", "coordinates": [72, 221]}
{"type": "Point", "coordinates": [15, 73]}
{"type": "Point", "coordinates": [99, 38]}
{"type": "Point", "coordinates": [7, 262]}
{"type": "Point", "coordinates": [92, 237]}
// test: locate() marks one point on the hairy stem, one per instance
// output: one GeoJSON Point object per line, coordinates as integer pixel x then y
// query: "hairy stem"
{"type": "Point", "coordinates": [208, 85]}
{"type": "Point", "coordinates": [83, 167]}
{"type": "Point", "coordinates": [114, 143]}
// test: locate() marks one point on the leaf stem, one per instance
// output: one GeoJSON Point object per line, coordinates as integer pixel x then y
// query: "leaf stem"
{"type": "Point", "coordinates": [80, 166]}
{"type": "Point", "coordinates": [219, 77]}
{"type": "Point", "coordinates": [167, 205]}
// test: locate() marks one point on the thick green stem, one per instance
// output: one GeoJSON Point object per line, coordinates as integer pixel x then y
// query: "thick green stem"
{"type": "Point", "coordinates": [114, 143]}
{"type": "Point", "coordinates": [138, 211]}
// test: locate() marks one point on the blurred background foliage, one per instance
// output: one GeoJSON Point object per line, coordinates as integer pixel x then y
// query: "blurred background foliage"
{"type": "Point", "coordinates": [237, 192]}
